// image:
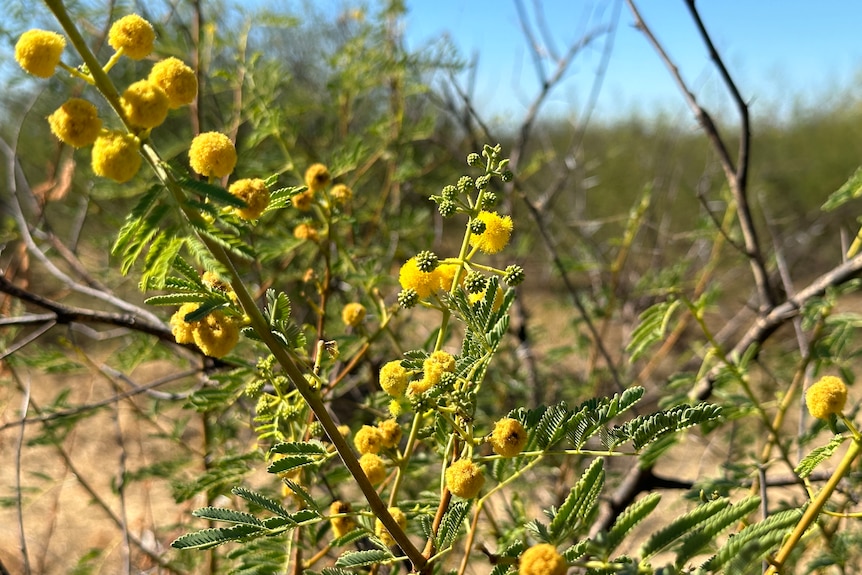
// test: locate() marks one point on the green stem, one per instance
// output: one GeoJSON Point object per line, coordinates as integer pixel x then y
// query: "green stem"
{"type": "Point", "coordinates": [813, 510]}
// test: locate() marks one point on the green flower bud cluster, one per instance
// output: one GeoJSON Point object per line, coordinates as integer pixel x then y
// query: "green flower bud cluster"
{"type": "Point", "coordinates": [427, 261]}
{"type": "Point", "coordinates": [475, 282]}
{"type": "Point", "coordinates": [408, 298]}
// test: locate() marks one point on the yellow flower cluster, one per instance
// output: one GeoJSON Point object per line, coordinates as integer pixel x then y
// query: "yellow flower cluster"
{"type": "Point", "coordinates": [254, 193]}
{"type": "Point", "coordinates": [340, 194]}
{"type": "Point", "coordinates": [177, 80]}
{"type": "Point", "coordinates": [542, 559]}
{"type": "Point", "coordinates": [115, 156]}
{"type": "Point", "coordinates": [465, 479]}
{"type": "Point", "coordinates": [352, 314]}
{"type": "Point", "coordinates": [215, 335]}
{"type": "Point", "coordinates": [341, 525]}
{"type": "Point", "coordinates": [373, 467]}
{"type": "Point", "coordinates": [826, 397]}
{"type": "Point", "coordinates": [433, 368]}
{"type": "Point", "coordinates": [383, 533]}
{"type": "Point", "coordinates": [508, 438]}
{"type": "Point", "coordinates": [498, 230]}
{"type": "Point", "coordinates": [38, 52]}
{"type": "Point", "coordinates": [426, 283]}
{"type": "Point", "coordinates": [368, 440]}
{"type": "Point", "coordinates": [212, 155]}
{"type": "Point", "coordinates": [394, 378]}
{"type": "Point", "coordinates": [76, 123]}
{"type": "Point", "coordinates": [317, 177]}
{"type": "Point", "coordinates": [145, 104]}
{"type": "Point", "coordinates": [391, 432]}
{"type": "Point", "coordinates": [133, 35]}
{"type": "Point", "coordinates": [306, 232]}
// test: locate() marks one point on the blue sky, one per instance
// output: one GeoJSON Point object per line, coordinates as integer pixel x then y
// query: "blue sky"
{"type": "Point", "coordinates": [778, 51]}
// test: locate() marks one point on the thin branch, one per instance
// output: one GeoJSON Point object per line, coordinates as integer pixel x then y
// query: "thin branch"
{"type": "Point", "coordinates": [19, 501]}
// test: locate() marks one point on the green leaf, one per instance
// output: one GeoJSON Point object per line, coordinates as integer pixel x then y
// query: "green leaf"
{"type": "Point", "coordinates": [280, 198]}
{"type": "Point", "coordinates": [285, 464]}
{"type": "Point", "coordinates": [751, 544]}
{"type": "Point", "coordinates": [451, 523]}
{"type": "Point", "coordinates": [851, 189]}
{"type": "Point", "coordinates": [159, 259]}
{"type": "Point", "coordinates": [213, 192]}
{"type": "Point", "coordinates": [681, 526]}
{"type": "Point", "coordinates": [208, 538]}
{"type": "Point", "coordinates": [302, 493]}
{"type": "Point", "coordinates": [188, 271]}
{"type": "Point", "coordinates": [817, 456]}
{"type": "Point", "coordinates": [135, 219]}
{"type": "Point", "coordinates": [177, 298]}
{"type": "Point", "coordinates": [262, 501]}
{"type": "Point", "coordinates": [363, 558]}
{"type": "Point", "coordinates": [580, 505]}
{"type": "Point", "coordinates": [626, 521]}
{"type": "Point", "coordinates": [652, 327]}
{"type": "Point", "coordinates": [227, 515]}
{"type": "Point", "coordinates": [299, 448]}
{"type": "Point", "coordinates": [710, 528]}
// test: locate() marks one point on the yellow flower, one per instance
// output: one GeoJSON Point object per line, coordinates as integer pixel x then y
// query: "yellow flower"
{"type": "Point", "coordinates": [177, 80]}
{"type": "Point", "coordinates": [498, 298]}
{"type": "Point", "coordinates": [433, 368]}
{"type": "Point", "coordinates": [255, 195]}
{"type": "Point", "coordinates": [391, 433]}
{"type": "Point", "coordinates": [316, 177]}
{"type": "Point", "coordinates": [446, 273]}
{"type": "Point", "coordinates": [38, 52]}
{"type": "Point", "coordinates": [826, 397]}
{"type": "Point", "coordinates": [76, 123]}
{"type": "Point", "coordinates": [393, 378]}
{"type": "Point", "coordinates": [340, 194]}
{"type": "Point", "coordinates": [542, 559]}
{"type": "Point", "coordinates": [425, 283]}
{"type": "Point", "coordinates": [303, 200]}
{"type": "Point", "coordinates": [341, 525]}
{"type": "Point", "coordinates": [115, 156]}
{"type": "Point", "coordinates": [305, 232]}
{"type": "Point", "coordinates": [212, 154]}
{"type": "Point", "coordinates": [183, 330]}
{"type": "Point", "coordinates": [381, 531]}
{"type": "Point", "coordinates": [442, 358]}
{"type": "Point", "coordinates": [133, 35]}
{"type": "Point", "coordinates": [216, 334]}
{"type": "Point", "coordinates": [509, 437]}
{"type": "Point", "coordinates": [373, 467]}
{"type": "Point", "coordinates": [498, 230]}
{"type": "Point", "coordinates": [464, 478]}
{"type": "Point", "coordinates": [368, 440]}
{"type": "Point", "coordinates": [352, 314]}
{"type": "Point", "coordinates": [145, 104]}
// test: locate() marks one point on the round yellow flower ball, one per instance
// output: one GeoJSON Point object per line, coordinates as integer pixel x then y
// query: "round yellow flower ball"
{"type": "Point", "coordinates": [316, 177]}
{"type": "Point", "coordinates": [115, 156]}
{"type": "Point", "coordinates": [394, 378]}
{"type": "Point", "coordinates": [368, 440]}
{"type": "Point", "coordinates": [827, 396]}
{"type": "Point", "coordinates": [217, 334]}
{"type": "Point", "coordinates": [383, 533]}
{"type": "Point", "coordinates": [145, 104]}
{"type": "Point", "coordinates": [255, 195]}
{"type": "Point", "coordinates": [341, 525]}
{"type": "Point", "coordinates": [184, 331]}
{"type": "Point", "coordinates": [509, 437]}
{"type": "Point", "coordinates": [373, 467]}
{"type": "Point", "coordinates": [303, 200]}
{"type": "Point", "coordinates": [352, 314]}
{"type": "Point", "coordinates": [465, 479]}
{"type": "Point", "coordinates": [411, 277]}
{"type": "Point", "coordinates": [498, 230]}
{"type": "Point", "coordinates": [391, 433]}
{"type": "Point", "coordinates": [177, 80]}
{"type": "Point", "coordinates": [305, 232]}
{"type": "Point", "coordinates": [133, 35]}
{"type": "Point", "coordinates": [76, 123]}
{"type": "Point", "coordinates": [212, 154]}
{"type": "Point", "coordinates": [542, 559]}
{"type": "Point", "coordinates": [38, 52]}
{"type": "Point", "coordinates": [340, 194]}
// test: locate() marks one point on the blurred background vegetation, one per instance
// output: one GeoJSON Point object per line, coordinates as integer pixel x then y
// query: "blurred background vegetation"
{"type": "Point", "coordinates": [630, 206]}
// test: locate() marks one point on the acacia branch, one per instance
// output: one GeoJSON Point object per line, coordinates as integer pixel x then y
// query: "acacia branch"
{"type": "Point", "coordinates": [735, 172]}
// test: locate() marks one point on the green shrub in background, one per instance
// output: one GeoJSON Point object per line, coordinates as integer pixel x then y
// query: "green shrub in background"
{"type": "Point", "coordinates": [345, 296]}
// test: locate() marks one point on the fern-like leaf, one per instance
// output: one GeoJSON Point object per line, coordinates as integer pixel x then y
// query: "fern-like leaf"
{"type": "Point", "coordinates": [213, 192]}
{"type": "Point", "coordinates": [652, 327]}
{"type": "Point", "coordinates": [262, 501]}
{"type": "Point", "coordinates": [451, 523]}
{"type": "Point", "coordinates": [177, 298]}
{"type": "Point", "coordinates": [363, 558]}
{"type": "Point", "coordinates": [818, 455]}
{"type": "Point", "coordinates": [580, 505]}
{"type": "Point", "coordinates": [852, 188]}
{"type": "Point", "coordinates": [633, 514]}
{"type": "Point", "coordinates": [227, 515]}
{"type": "Point", "coordinates": [709, 529]}
{"type": "Point", "coordinates": [208, 538]}
{"type": "Point", "coordinates": [681, 526]}
{"type": "Point", "coordinates": [751, 544]}
{"type": "Point", "coordinates": [159, 259]}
